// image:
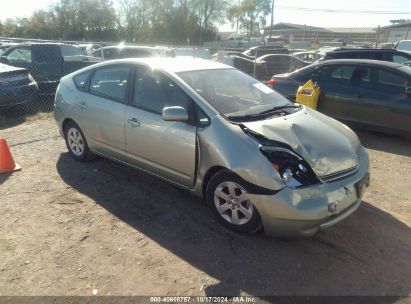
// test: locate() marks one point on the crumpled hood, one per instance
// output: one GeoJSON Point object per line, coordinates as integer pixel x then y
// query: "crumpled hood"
{"type": "Point", "coordinates": [326, 144]}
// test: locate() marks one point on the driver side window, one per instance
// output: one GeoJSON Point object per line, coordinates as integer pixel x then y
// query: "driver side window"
{"type": "Point", "coordinates": [154, 91]}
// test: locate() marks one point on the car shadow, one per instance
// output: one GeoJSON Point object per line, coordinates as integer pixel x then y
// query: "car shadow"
{"type": "Point", "coordinates": [385, 142]}
{"type": "Point", "coordinates": [15, 116]}
{"type": "Point", "coordinates": [367, 254]}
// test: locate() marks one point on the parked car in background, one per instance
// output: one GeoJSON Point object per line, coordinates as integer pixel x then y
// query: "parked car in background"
{"type": "Point", "coordinates": [257, 69]}
{"type": "Point", "coordinates": [47, 62]}
{"type": "Point", "coordinates": [17, 86]}
{"type": "Point", "coordinates": [126, 51]}
{"type": "Point", "coordinates": [258, 51]}
{"type": "Point", "coordinates": [368, 93]}
{"type": "Point", "coordinates": [220, 54]}
{"type": "Point", "coordinates": [197, 52]}
{"type": "Point", "coordinates": [5, 47]}
{"type": "Point", "coordinates": [89, 48]}
{"type": "Point", "coordinates": [374, 54]}
{"type": "Point", "coordinates": [258, 159]}
{"type": "Point", "coordinates": [403, 45]}
{"type": "Point", "coordinates": [386, 45]}
{"type": "Point", "coordinates": [281, 63]}
{"type": "Point", "coordinates": [308, 56]}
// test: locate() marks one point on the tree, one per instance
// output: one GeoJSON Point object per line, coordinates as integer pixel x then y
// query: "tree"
{"type": "Point", "coordinates": [43, 25]}
{"type": "Point", "coordinates": [250, 14]}
{"type": "Point", "coordinates": [209, 12]}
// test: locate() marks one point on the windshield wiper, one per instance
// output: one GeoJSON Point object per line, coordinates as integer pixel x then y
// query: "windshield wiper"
{"type": "Point", "coordinates": [276, 109]}
{"type": "Point", "coordinates": [263, 114]}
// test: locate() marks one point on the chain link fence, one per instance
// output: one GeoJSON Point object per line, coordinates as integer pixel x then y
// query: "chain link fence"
{"type": "Point", "coordinates": [30, 70]}
{"type": "Point", "coordinates": [30, 73]}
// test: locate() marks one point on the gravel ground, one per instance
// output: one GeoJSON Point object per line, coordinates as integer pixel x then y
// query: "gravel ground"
{"type": "Point", "coordinates": [71, 228]}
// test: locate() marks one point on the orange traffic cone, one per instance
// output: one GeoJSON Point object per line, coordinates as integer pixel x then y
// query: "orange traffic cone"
{"type": "Point", "coordinates": [7, 163]}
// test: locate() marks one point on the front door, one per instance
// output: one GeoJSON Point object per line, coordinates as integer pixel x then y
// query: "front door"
{"type": "Point", "coordinates": [165, 148]}
{"type": "Point", "coordinates": [335, 82]}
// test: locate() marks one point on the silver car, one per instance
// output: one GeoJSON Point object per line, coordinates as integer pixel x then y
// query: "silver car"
{"type": "Point", "coordinates": [257, 159]}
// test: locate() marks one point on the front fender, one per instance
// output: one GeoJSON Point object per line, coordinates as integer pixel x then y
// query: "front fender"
{"type": "Point", "coordinates": [226, 145]}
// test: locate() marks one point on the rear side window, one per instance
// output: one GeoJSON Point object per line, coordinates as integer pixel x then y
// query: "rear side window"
{"type": "Point", "coordinates": [339, 74]}
{"type": "Point", "coordinates": [81, 80]}
{"type": "Point", "coordinates": [342, 72]}
{"type": "Point", "coordinates": [400, 59]}
{"type": "Point", "coordinates": [392, 82]}
{"type": "Point", "coordinates": [154, 91]}
{"type": "Point", "coordinates": [404, 45]}
{"type": "Point", "coordinates": [110, 82]}
{"type": "Point", "coordinates": [112, 53]}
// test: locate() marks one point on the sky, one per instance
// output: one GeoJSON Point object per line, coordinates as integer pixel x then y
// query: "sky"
{"type": "Point", "coordinates": [283, 11]}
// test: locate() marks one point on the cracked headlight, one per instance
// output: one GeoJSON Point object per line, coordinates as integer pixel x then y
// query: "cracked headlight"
{"type": "Point", "coordinates": [293, 169]}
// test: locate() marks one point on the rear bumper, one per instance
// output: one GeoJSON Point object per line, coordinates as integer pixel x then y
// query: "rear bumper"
{"type": "Point", "coordinates": [305, 211]}
{"type": "Point", "coordinates": [12, 96]}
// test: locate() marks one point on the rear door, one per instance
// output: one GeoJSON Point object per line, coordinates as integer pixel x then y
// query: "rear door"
{"type": "Point", "coordinates": [101, 109]}
{"type": "Point", "coordinates": [382, 101]}
{"type": "Point", "coordinates": [165, 148]}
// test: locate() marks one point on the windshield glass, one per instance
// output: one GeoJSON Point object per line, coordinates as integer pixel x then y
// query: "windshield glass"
{"type": "Point", "coordinates": [233, 93]}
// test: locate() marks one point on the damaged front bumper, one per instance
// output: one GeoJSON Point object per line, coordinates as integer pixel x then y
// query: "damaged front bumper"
{"type": "Point", "coordinates": [307, 210]}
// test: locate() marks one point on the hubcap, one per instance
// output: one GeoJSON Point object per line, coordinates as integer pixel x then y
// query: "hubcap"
{"type": "Point", "coordinates": [75, 141]}
{"type": "Point", "coordinates": [232, 203]}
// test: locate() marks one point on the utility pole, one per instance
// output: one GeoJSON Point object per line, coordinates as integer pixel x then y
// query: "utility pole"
{"type": "Point", "coordinates": [272, 19]}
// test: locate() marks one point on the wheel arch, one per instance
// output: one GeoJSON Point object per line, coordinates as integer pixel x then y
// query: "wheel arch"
{"type": "Point", "coordinates": [65, 122]}
{"type": "Point", "coordinates": [209, 174]}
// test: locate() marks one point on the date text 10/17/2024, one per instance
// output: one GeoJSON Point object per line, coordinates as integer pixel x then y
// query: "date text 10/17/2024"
{"type": "Point", "coordinates": [203, 299]}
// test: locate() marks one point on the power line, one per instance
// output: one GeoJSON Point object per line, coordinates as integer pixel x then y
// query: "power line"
{"type": "Point", "coordinates": [343, 11]}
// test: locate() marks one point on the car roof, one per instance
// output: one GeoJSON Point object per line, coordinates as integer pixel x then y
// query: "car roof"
{"type": "Point", "coordinates": [266, 47]}
{"type": "Point", "coordinates": [364, 51]}
{"type": "Point", "coordinates": [172, 65]}
{"type": "Point", "coordinates": [361, 61]}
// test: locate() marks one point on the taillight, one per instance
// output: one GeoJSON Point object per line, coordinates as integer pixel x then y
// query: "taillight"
{"type": "Point", "coordinates": [272, 82]}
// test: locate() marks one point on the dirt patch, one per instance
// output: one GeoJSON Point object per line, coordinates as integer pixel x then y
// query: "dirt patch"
{"type": "Point", "coordinates": [69, 228]}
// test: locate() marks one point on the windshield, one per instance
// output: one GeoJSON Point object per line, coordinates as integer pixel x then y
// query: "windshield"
{"type": "Point", "coordinates": [233, 93]}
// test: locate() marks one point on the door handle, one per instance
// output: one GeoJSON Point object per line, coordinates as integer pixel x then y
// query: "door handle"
{"type": "Point", "coordinates": [82, 105]}
{"type": "Point", "coordinates": [133, 122]}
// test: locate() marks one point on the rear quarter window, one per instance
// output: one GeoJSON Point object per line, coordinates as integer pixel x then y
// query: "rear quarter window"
{"type": "Point", "coordinates": [81, 80]}
{"type": "Point", "coordinates": [392, 82]}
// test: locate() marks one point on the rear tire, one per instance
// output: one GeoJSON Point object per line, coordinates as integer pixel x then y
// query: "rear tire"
{"type": "Point", "coordinates": [76, 142]}
{"type": "Point", "coordinates": [227, 197]}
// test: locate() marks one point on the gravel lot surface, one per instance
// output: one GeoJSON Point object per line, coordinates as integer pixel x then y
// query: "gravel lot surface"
{"type": "Point", "coordinates": [71, 228]}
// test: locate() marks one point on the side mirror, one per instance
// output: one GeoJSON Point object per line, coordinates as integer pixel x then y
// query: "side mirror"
{"type": "Point", "coordinates": [175, 113]}
{"type": "Point", "coordinates": [3, 59]}
{"type": "Point", "coordinates": [408, 91]}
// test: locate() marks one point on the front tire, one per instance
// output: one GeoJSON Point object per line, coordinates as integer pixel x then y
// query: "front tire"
{"type": "Point", "coordinates": [228, 199]}
{"type": "Point", "coordinates": [76, 142]}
